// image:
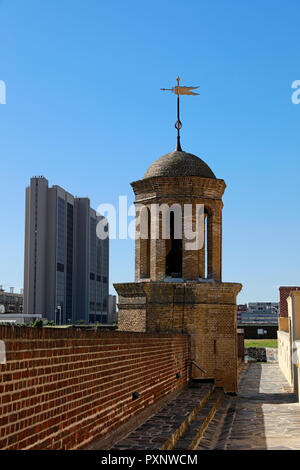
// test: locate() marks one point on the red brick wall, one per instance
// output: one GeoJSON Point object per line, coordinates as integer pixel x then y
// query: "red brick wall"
{"type": "Point", "coordinates": [284, 292]}
{"type": "Point", "coordinates": [63, 389]}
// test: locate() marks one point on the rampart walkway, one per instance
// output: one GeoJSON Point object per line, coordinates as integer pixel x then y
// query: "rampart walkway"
{"type": "Point", "coordinates": [263, 416]}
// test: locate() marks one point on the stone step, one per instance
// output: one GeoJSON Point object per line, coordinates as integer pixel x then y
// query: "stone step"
{"type": "Point", "coordinates": [213, 437]}
{"type": "Point", "coordinates": [191, 437]}
{"type": "Point", "coordinates": [216, 434]}
{"type": "Point", "coordinates": [202, 381]}
{"type": "Point", "coordinates": [184, 425]}
{"type": "Point", "coordinates": [165, 428]}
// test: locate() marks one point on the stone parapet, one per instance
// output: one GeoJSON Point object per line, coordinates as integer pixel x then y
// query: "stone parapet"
{"type": "Point", "coordinates": [284, 355]}
{"type": "Point", "coordinates": [283, 324]}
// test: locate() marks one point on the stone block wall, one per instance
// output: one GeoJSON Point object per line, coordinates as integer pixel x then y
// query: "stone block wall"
{"type": "Point", "coordinates": [257, 353]}
{"type": "Point", "coordinates": [263, 354]}
{"type": "Point", "coordinates": [283, 324]}
{"type": "Point", "coordinates": [64, 388]}
{"type": "Point", "coordinates": [284, 355]}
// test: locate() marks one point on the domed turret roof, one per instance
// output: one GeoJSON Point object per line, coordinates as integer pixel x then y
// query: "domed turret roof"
{"type": "Point", "coordinates": [179, 163]}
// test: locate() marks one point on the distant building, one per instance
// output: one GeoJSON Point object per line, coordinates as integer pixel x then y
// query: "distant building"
{"type": "Point", "coordinates": [66, 269]}
{"type": "Point", "coordinates": [260, 313]}
{"type": "Point", "coordinates": [18, 319]}
{"type": "Point", "coordinates": [11, 301]}
{"type": "Point", "coordinates": [240, 309]}
{"type": "Point", "coordinates": [284, 293]}
{"type": "Point", "coordinates": [263, 307]}
{"type": "Point", "coordinates": [112, 309]}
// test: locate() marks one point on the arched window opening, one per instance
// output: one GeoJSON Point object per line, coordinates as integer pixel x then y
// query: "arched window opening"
{"type": "Point", "coordinates": [148, 244]}
{"type": "Point", "coordinates": [145, 233]}
{"type": "Point", "coordinates": [209, 246]}
{"type": "Point", "coordinates": [173, 252]}
{"type": "Point", "coordinates": [202, 251]}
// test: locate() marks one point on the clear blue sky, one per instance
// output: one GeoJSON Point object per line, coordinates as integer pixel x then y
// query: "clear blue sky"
{"type": "Point", "coordinates": [84, 108]}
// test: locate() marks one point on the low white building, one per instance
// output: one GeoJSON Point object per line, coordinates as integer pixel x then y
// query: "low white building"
{"type": "Point", "coordinates": [18, 318]}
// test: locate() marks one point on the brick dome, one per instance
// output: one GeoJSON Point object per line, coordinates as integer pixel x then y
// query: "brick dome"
{"type": "Point", "coordinates": [179, 163]}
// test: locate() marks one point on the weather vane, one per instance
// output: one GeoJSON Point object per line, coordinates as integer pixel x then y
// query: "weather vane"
{"type": "Point", "coordinates": [180, 90]}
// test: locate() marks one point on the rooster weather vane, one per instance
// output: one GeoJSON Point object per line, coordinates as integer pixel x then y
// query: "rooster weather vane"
{"type": "Point", "coordinates": [180, 90]}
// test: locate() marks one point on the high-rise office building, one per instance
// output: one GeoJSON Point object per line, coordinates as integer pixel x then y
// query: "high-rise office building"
{"type": "Point", "coordinates": [66, 269]}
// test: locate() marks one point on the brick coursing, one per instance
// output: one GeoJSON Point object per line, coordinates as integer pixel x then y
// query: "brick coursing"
{"type": "Point", "coordinates": [241, 345]}
{"type": "Point", "coordinates": [206, 311]}
{"type": "Point", "coordinates": [63, 389]}
{"type": "Point", "coordinates": [182, 190]}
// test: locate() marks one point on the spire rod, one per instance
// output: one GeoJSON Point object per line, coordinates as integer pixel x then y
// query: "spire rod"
{"type": "Point", "coordinates": [178, 124]}
{"type": "Point", "coordinates": [180, 90]}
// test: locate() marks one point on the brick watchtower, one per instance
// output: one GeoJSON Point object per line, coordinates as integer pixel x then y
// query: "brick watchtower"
{"type": "Point", "coordinates": [176, 288]}
{"type": "Point", "coordinates": [178, 279]}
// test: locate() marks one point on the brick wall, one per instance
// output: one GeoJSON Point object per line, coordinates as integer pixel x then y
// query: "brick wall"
{"type": "Point", "coordinates": [240, 343]}
{"type": "Point", "coordinates": [284, 292]}
{"type": "Point", "coordinates": [63, 389]}
{"type": "Point", "coordinates": [205, 310]}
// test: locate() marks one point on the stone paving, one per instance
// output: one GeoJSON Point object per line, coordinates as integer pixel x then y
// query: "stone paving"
{"type": "Point", "coordinates": [191, 436]}
{"type": "Point", "coordinates": [154, 432]}
{"type": "Point", "coordinates": [211, 438]}
{"type": "Point", "coordinates": [264, 415]}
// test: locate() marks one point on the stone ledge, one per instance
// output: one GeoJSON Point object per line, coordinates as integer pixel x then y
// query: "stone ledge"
{"type": "Point", "coordinates": [187, 292]}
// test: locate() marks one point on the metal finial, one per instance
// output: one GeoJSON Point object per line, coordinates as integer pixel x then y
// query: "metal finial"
{"type": "Point", "coordinates": [180, 90]}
